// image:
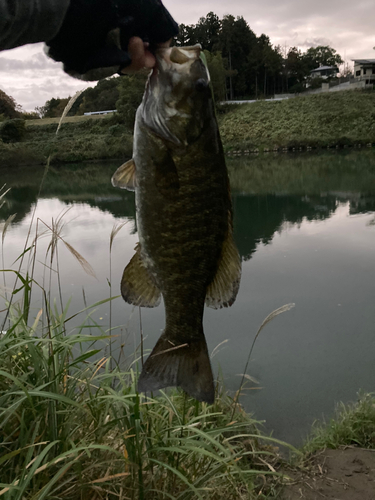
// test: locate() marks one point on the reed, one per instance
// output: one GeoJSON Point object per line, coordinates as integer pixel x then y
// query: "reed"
{"type": "Point", "coordinates": [73, 426]}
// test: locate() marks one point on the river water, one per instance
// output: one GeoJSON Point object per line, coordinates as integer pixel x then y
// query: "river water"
{"type": "Point", "coordinates": [305, 228]}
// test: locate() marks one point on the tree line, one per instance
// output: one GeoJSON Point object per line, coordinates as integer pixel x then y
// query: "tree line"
{"type": "Point", "coordinates": [251, 66]}
{"type": "Point", "coordinates": [241, 64]}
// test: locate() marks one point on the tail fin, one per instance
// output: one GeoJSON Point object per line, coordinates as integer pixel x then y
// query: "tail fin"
{"type": "Point", "coordinates": [186, 365]}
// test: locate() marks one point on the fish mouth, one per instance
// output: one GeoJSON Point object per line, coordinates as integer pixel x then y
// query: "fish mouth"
{"type": "Point", "coordinates": [178, 55]}
{"type": "Point", "coordinates": [177, 61]}
{"type": "Point", "coordinates": [171, 96]}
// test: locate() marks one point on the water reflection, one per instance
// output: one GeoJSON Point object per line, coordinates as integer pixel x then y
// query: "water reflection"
{"type": "Point", "coordinates": [305, 229]}
{"type": "Point", "coordinates": [259, 217]}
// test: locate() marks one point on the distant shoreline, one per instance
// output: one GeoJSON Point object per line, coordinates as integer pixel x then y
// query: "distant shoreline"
{"type": "Point", "coordinates": [316, 122]}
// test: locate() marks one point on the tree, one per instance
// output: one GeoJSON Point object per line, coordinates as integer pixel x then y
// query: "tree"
{"type": "Point", "coordinates": [131, 89]}
{"type": "Point", "coordinates": [296, 68]}
{"type": "Point", "coordinates": [187, 35]}
{"type": "Point", "coordinates": [102, 97]}
{"type": "Point", "coordinates": [346, 71]}
{"type": "Point", "coordinates": [269, 66]}
{"type": "Point", "coordinates": [207, 31]}
{"type": "Point", "coordinates": [251, 64]}
{"type": "Point", "coordinates": [237, 42]}
{"type": "Point", "coordinates": [29, 115]}
{"type": "Point", "coordinates": [217, 72]}
{"type": "Point", "coordinates": [321, 56]}
{"type": "Point", "coordinates": [39, 110]}
{"type": "Point", "coordinates": [53, 108]}
{"type": "Point", "coordinates": [8, 106]}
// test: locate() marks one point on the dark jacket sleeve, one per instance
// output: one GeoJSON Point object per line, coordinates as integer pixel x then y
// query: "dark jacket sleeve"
{"type": "Point", "coordinates": [30, 21]}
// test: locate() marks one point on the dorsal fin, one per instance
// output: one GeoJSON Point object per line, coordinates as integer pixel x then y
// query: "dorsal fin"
{"type": "Point", "coordinates": [124, 177]}
{"type": "Point", "coordinates": [223, 289]}
{"type": "Point", "coordinates": [138, 286]}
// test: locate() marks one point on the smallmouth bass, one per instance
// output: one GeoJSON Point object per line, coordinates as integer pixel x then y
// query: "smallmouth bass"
{"type": "Point", "coordinates": [186, 251]}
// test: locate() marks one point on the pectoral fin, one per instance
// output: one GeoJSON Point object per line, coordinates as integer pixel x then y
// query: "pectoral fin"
{"type": "Point", "coordinates": [124, 177]}
{"type": "Point", "coordinates": [138, 286]}
{"type": "Point", "coordinates": [222, 291]}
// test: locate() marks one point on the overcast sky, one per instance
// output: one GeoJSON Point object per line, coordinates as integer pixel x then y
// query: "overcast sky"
{"type": "Point", "coordinates": [31, 78]}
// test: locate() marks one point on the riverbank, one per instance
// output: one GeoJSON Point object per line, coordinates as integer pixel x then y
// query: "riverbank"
{"type": "Point", "coordinates": [331, 120]}
{"type": "Point", "coordinates": [79, 139]}
{"type": "Point", "coordinates": [338, 460]}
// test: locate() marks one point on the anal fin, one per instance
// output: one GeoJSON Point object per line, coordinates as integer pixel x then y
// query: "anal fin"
{"type": "Point", "coordinates": [223, 289]}
{"type": "Point", "coordinates": [138, 286]}
{"type": "Point", "coordinates": [124, 177]}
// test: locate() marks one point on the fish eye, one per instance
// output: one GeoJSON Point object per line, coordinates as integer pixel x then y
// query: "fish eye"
{"type": "Point", "coordinates": [201, 84]}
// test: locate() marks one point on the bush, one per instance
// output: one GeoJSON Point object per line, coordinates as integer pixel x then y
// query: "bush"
{"type": "Point", "coordinates": [316, 83]}
{"type": "Point", "coordinates": [12, 130]}
{"type": "Point", "coordinates": [131, 89]}
{"type": "Point", "coordinates": [116, 130]}
{"type": "Point", "coordinates": [297, 88]}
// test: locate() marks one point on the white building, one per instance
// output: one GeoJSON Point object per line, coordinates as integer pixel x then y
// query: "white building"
{"type": "Point", "coordinates": [324, 72]}
{"type": "Point", "coordinates": [364, 70]}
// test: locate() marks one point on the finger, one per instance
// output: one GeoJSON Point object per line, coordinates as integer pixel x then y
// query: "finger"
{"type": "Point", "coordinates": [136, 51]}
{"type": "Point", "coordinates": [141, 57]}
{"type": "Point", "coordinates": [150, 60]}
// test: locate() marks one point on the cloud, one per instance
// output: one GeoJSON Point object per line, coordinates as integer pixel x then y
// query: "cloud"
{"type": "Point", "coordinates": [32, 78]}
{"type": "Point", "coordinates": [311, 42]}
{"type": "Point", "coordinates": [346, 26]}
{"type": "Point", "coordinates": [31, 95]}
{"type": "Point", "coordinates": [38, 62]}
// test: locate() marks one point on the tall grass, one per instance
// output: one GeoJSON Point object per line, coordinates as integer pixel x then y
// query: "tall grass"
{"type": "Point", "coordinates": [73, 426]}
{"type": "Point", "coordinates": [68, 431]}
{"type": "Point", "coordinates": [314, 121]}
{"type": "Point", "coordinates": [352, 425]}
{"type": "Point", "coordinates": [70, 427]}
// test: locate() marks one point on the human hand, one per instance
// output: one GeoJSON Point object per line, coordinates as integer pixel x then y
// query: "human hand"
{"type": "Point", "coordinates": [101, 37]}
{"type": "Point", "coordinates": [140, 55]}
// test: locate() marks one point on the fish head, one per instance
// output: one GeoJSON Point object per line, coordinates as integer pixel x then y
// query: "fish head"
{"type": "Point", "coordinates": [178, 95]}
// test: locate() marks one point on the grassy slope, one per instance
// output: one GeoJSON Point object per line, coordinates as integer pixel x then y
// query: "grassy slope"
{"type": "Point", "coordinates": [68, 119]}
{"type": "Point", "coordinates": [318, 120]}
{"type": "Point", "coordinates": [79, 139]}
